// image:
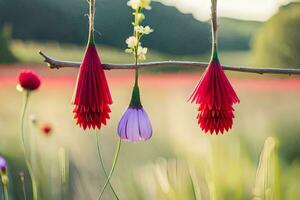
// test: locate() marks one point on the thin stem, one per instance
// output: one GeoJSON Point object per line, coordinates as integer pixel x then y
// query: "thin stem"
{"type": "Point", "coordinates": [136, 72]}
{"type": "Point", "coordinates": [2, 189]}
{"type": "Point", "coordinates": [138, 37]}
{"type": "Point", "coordinates": [112, 169]}
{"type": "Point", "coordinates": [5, 191]}
{"type": "Point", "coordinates": [23, 187]}
{"type": "Point", "coordinates": [34, 188]}
{"type": "Point", "coordinates": [103, 167]}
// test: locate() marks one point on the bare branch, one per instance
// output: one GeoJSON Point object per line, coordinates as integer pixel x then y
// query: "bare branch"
{"type": "Point", "coordinates": [52, 63]}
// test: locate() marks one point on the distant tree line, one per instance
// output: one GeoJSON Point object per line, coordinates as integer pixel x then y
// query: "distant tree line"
{"type": "Point", "coordinates": [6, 56]}
{"type": "Point", "coordinates": [65, 21]}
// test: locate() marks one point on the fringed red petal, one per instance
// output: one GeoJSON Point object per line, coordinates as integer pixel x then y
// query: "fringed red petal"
{"type": "Point", "coordinates": [92, 96]}
{"type": "Point", "coordinates": [215, 97]}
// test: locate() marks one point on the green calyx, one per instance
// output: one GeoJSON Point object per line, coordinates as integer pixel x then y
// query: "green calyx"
{"type": "Point", "coordinates": [135, 98]}
{"type": "Point", "coordinates": [91, 39]}
{"type": "Point", "coordinates": [215, 56]}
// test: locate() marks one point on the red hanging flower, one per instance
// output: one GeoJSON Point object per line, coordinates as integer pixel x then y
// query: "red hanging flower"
{"type": "Point", "coordinates": [215, 97]}
{"type": "Point", "coordinates": [92, 96]}
{"type": "Point", "coordinates": [29, 80]}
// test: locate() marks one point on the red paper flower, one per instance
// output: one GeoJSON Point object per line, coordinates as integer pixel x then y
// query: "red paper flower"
{"type": "Point", "coordinates": [216, 97]}
{"type": "Point", "coordinates": [46, 129]}
{"type": "Point", "coordinates": [92, 96]}
{"type": "Point", "coordinates": [29, 80]}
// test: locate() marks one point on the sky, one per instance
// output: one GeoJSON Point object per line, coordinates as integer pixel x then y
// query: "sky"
{"type": "Point", "coordinates": [259, 10]}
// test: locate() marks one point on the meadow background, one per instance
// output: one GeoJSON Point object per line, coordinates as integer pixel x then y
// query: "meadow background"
{"type": "Point", "coordinates": [180, 161]}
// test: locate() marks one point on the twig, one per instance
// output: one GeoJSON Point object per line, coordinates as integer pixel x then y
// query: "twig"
{"type": "Point", "coordinates": [53, 63]}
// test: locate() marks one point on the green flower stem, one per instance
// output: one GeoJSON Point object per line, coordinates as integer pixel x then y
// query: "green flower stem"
{"type": "Point", "coordinates": [103, 167]}
{"type": "Point", "coordinates": [34, 188]}
{"type": "Point", "coordinates": [5, 192]}
{"type": "Point", "coordinates": [136, 79]}
{"type": "Point", "coordinates": [136, 60]}
{"type": "Point", "coordinates": [112, 169]}
{"type": "Point", "coordinates": [135, 98]}
{"type": "Point", "coordinates": [138, 37]}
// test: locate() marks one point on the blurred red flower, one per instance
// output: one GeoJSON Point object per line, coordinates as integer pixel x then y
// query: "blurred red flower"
{"type": "Point", "coordinates": [29, 80]}
{"type": "Point", "coordinates": [46, 129]}
{"type": "Point", "coordinates": [92, 96]}
{"type": "Point", "coordinates": [215, 97]}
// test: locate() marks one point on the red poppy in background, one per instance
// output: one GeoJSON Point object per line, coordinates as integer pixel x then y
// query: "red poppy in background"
{"type": "Point", "coordinates": [29, 80]}
{"type": "Point", "coordinates": [215, 97]}
{"type": "Point", "coordinates": [46, 129]}
{"type": "Point", "coordinates": [92, 96]}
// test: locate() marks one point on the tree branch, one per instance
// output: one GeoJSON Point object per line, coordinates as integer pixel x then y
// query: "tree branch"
{"type": "Point", "coordinates": [53, 63]}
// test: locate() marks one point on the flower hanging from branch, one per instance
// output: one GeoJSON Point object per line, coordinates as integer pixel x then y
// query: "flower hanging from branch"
{"type": "Point", "coordinates": [135, 124]}
{"type": "Point", "coordinates": [92, 97]}
{"type": "Point", "coordinates": [214, 93]}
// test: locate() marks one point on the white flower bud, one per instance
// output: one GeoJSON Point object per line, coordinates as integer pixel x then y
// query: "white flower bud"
{"type": "Point", "coordinates": [131, 42]}
{"type": "Point", "coordinates": [141, 52]}
{"type": "Point", "coordinates": [135, 4]}
{"type": "Point", "coordinates": [145, 4]}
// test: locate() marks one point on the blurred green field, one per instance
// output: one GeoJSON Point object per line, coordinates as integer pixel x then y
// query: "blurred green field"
{"type": "Point", "coordinates": [27, 52]}
{"type": "Point", "coordinates": [221, 167]}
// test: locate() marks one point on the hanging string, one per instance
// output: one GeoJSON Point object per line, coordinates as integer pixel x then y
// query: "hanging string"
{"type": "Point", "coordinates": [92, 21]}
{"type": "Point", "coordinates": [214, 27]}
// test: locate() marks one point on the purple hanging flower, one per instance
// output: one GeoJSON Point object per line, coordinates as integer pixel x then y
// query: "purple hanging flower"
{"type": "Point", "coordinates": [135, 124]}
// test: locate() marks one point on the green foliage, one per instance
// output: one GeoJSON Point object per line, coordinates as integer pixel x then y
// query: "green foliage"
{"type": "Point", "coordinates": [6, 55]}
{"type": "Point", "coordinates": [64, 21]}
{"type": "Point", "coordinates": [278, 43]}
